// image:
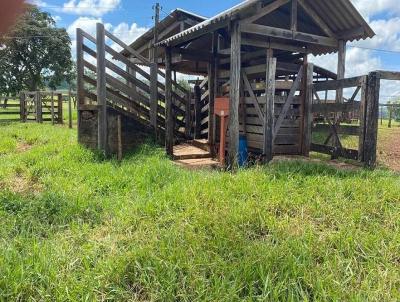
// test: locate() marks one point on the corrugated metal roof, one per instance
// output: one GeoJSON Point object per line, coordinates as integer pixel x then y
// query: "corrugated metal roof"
{"type": "Point", "coordinates": [173, 17]}
{"type": "Point", "coordinates": [340, 16]}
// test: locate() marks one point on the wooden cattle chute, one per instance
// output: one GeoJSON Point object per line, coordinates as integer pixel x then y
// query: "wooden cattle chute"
{"type": "Point", "coordinates": [134, 92]}
{"type": "Point", "coordinates": [256, 54]}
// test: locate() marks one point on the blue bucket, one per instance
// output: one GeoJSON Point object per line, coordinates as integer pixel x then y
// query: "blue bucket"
{"type": "Point", "coordinates": [243, 152]}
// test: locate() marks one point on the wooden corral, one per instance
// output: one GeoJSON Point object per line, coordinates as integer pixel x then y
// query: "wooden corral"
{"type": "Point", "coordinates": [256, 54]}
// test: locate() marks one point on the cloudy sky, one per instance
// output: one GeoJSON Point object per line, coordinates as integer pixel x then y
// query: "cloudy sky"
{"type": "Point", "coordinates": [130, 18]}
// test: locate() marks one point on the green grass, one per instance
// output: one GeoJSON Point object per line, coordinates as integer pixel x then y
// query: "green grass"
{"type": "Point", "coordinates": [76, 227]}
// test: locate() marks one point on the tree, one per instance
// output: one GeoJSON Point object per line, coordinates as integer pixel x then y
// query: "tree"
{"type": "Point", "coordinates": [34, 54]}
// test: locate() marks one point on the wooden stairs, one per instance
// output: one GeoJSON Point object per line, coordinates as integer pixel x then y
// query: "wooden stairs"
{"type": "Point", "coordinates": [195, 154]}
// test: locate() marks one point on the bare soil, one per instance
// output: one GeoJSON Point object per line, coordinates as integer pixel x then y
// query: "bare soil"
{"type": "Point", "coordinates": [389, 148]}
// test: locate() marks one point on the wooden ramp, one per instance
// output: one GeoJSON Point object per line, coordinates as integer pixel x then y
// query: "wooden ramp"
{"type": "Point", "coordinates": [193, 157]}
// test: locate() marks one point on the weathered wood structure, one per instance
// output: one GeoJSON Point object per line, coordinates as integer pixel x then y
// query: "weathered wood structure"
{"type": "Point", "coordinates": [256, 54]}
{"type": "Point", "coordinates": [37, 106]}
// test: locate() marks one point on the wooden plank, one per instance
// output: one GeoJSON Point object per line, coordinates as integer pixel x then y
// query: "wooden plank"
{"type": "Point", "coordinates": [371, 120]}
{"type": "Point", "coordinates": [70, 108]}
{"type": "Point", "coordinates": [336, 84]}
{"type": "Point", "coordinates": [269, 107]}
{"type": "Point", "coordinates": [388, 75]}
{"type": "Point", "coordinates": [253, 98]}
{"type": "Point", "coordinates": [288, 34]}
{"type": "Point", "coordinates": [341, 69]}
{"type": "Point", "coordinates": [333, 108]}
{"type": "Point", "coordinates": [293, 15]}
{"type": "Point", "coordinates": [265, 11]}
{"type": "Point", "coordinates": [235, 79]}
{"type": "Point", "coordinates": [212, 88]}
{"type": "Point", "coordinates": [101, 88]}
{"type": "Point", "coordinates": [317, 19]}
{"type": "Point", "coordinates": [129, 49]}
{"type": "Point", "coordinates": [307, 118]}
{"type": "Point", "coordinates": [341, 129]}
{"type": "Point", "coordinates": [153, 95]}
{"type": "Point", "coordinates": [169, 120]}
{"type": "Point", "coordinates": [288, 103]}
{"type": "Point", "coordinates": [335, 152]}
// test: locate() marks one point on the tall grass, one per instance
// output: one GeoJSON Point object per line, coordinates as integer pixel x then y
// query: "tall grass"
{"type": "Point", "coordinates": [76, 227]}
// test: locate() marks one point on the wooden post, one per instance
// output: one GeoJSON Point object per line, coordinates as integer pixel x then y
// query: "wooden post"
{"type": "Point", "coordinates": [22, 107]}
{"type": "Point", "coordinates": [269, 117]}
{"type": "Point", "coordinates": [197, 111]}
{"type": "Point", "coordinates": [154, 72]}
{"type": "Point", "coordinates": [363, 108]}
{"type": "Point", "coordinates": [80, 86]}
{"type": "Point", "coordinates": [154, 95]}
{"type": "Point", "coordinates": [119, 134]}
{"type": "Point", "coordinates": [212, 79]}
{"type": "Point", "coordinates": [188, 123]}
{"type": "Point", "coordinates": [293, 16]}
{"type": "Point", "coordinates": [371, 120]}
{"type": "Point", "coordinates": [169, 118]}
{"type": "Point", "coordinates": [308, 118]}
{"type": "Point", "coordinates": [38, 104]}
{"type": "Point", "coordinates": [70, 108]}
{"type": "Point", "coordinates": [52, 108]}
{"type": "Point", "coordinates": [101, 89]}
{"type": "Point", "coordinates": [341, 69]}
{"type": "Point", "coordinates": [60, 109]}
{"type": "Point", "coordinates": [390, 116]}
{"type": "Point", "coordinates": [235, 79]}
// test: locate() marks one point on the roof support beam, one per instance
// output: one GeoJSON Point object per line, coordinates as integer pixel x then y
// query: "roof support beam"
{"type": "Point", "coordinates": [288, 34]}
{"type": "Point", "coordinates": [266, 10]}
{"type": "Point", "coordinates": [317, 19]}
{"type": "Point", "coordinates": [293, 16]}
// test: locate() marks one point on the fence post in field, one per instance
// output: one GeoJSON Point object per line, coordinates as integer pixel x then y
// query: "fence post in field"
{"type": "Point", "coordinates": [52, 108]}
{"type": "Point", "coordinates": [101, 89]}
{"type": "Point", "coordinates": [70, 108]}
{"type": "Point", "coordinates": [60, 108]}
{"type": "Point", "coordinates": [38, 105]}
{"type": "Point", "coordinates": [371, 120]}
{"type": "Point", "coordinates": [22, 107]}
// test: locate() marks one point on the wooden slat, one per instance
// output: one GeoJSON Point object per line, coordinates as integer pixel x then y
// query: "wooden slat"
{"type": "Point", "coordinates": [336, 84]}
{"type": "Point", "coordinates": [341, 129]}
{"type": "Point", "coordinates": [331, 108]}
{"type": "Point", "coordinates": [336, 152]}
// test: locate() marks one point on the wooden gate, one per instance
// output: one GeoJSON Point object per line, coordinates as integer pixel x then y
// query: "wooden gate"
{"type": "Point", "coordinates": [347, 127]}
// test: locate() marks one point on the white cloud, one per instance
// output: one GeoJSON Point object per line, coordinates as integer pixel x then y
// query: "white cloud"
{"type": "Point", "coordinates": [370, 8]}
{"type": "Point", "coordinates": [38, 3]}
{"type": "Point", "coordinates": [90, 7]}
{"type": "Point", "coordinates": [127, 33]}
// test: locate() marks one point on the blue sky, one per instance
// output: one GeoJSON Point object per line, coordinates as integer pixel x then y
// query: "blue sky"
{"type": "Point", "coordinates": [130, 18]}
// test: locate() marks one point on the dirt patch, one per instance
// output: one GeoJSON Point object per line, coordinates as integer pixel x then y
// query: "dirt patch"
{"type": "Point", "coordinates": [23, 147]}
{"type": "Point", "coordinates": [389, 148]}
{"type": "Point", "coordinates": [21, 184]}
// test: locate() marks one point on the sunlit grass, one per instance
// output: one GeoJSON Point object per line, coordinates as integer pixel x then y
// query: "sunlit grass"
{"type": "Point", "coordinates": [76, 227]}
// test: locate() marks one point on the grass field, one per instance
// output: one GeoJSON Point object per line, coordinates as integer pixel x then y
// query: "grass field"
{"type": "Point", "coordinates": [76, 227]}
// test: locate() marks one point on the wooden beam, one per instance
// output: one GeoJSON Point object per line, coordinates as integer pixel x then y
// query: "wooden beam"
{"type": "Point", "coordinates": [212, 84]}
{"type": "Point", "coordinates": [274, 45]}
{"type": "Point", "coordinates": [308, 118]}
{"type": "Point", "coordinates": [269, 107]}
{"type": "Point", "coordinates": [253, 98]}
{"type": "Point", "coordinates": [341, 69]}
{"type": "Point", "coordinates": [101, 88]}
{"type": "Point", "coordinates": [288, 34]}
{"type": "Point", "coordinates": [286, 106]}
{"type": "Point", "coordinates": [169, 119]}
{"type": "Point", "coordinates": [266, 10]}
{"type": "Point", "coordinates": [317, 19]}
{"type": "Point", "coordinates": [293, 16]}
{"type": "Point", "coordinates": [235, 79]}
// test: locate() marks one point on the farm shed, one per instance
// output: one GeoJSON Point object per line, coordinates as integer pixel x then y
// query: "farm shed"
{"type": "Point", "coordinates": [256, 56]}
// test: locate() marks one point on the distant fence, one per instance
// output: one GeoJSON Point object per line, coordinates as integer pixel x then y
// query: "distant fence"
{"type": "Point", "coordinates": [37, 106]}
